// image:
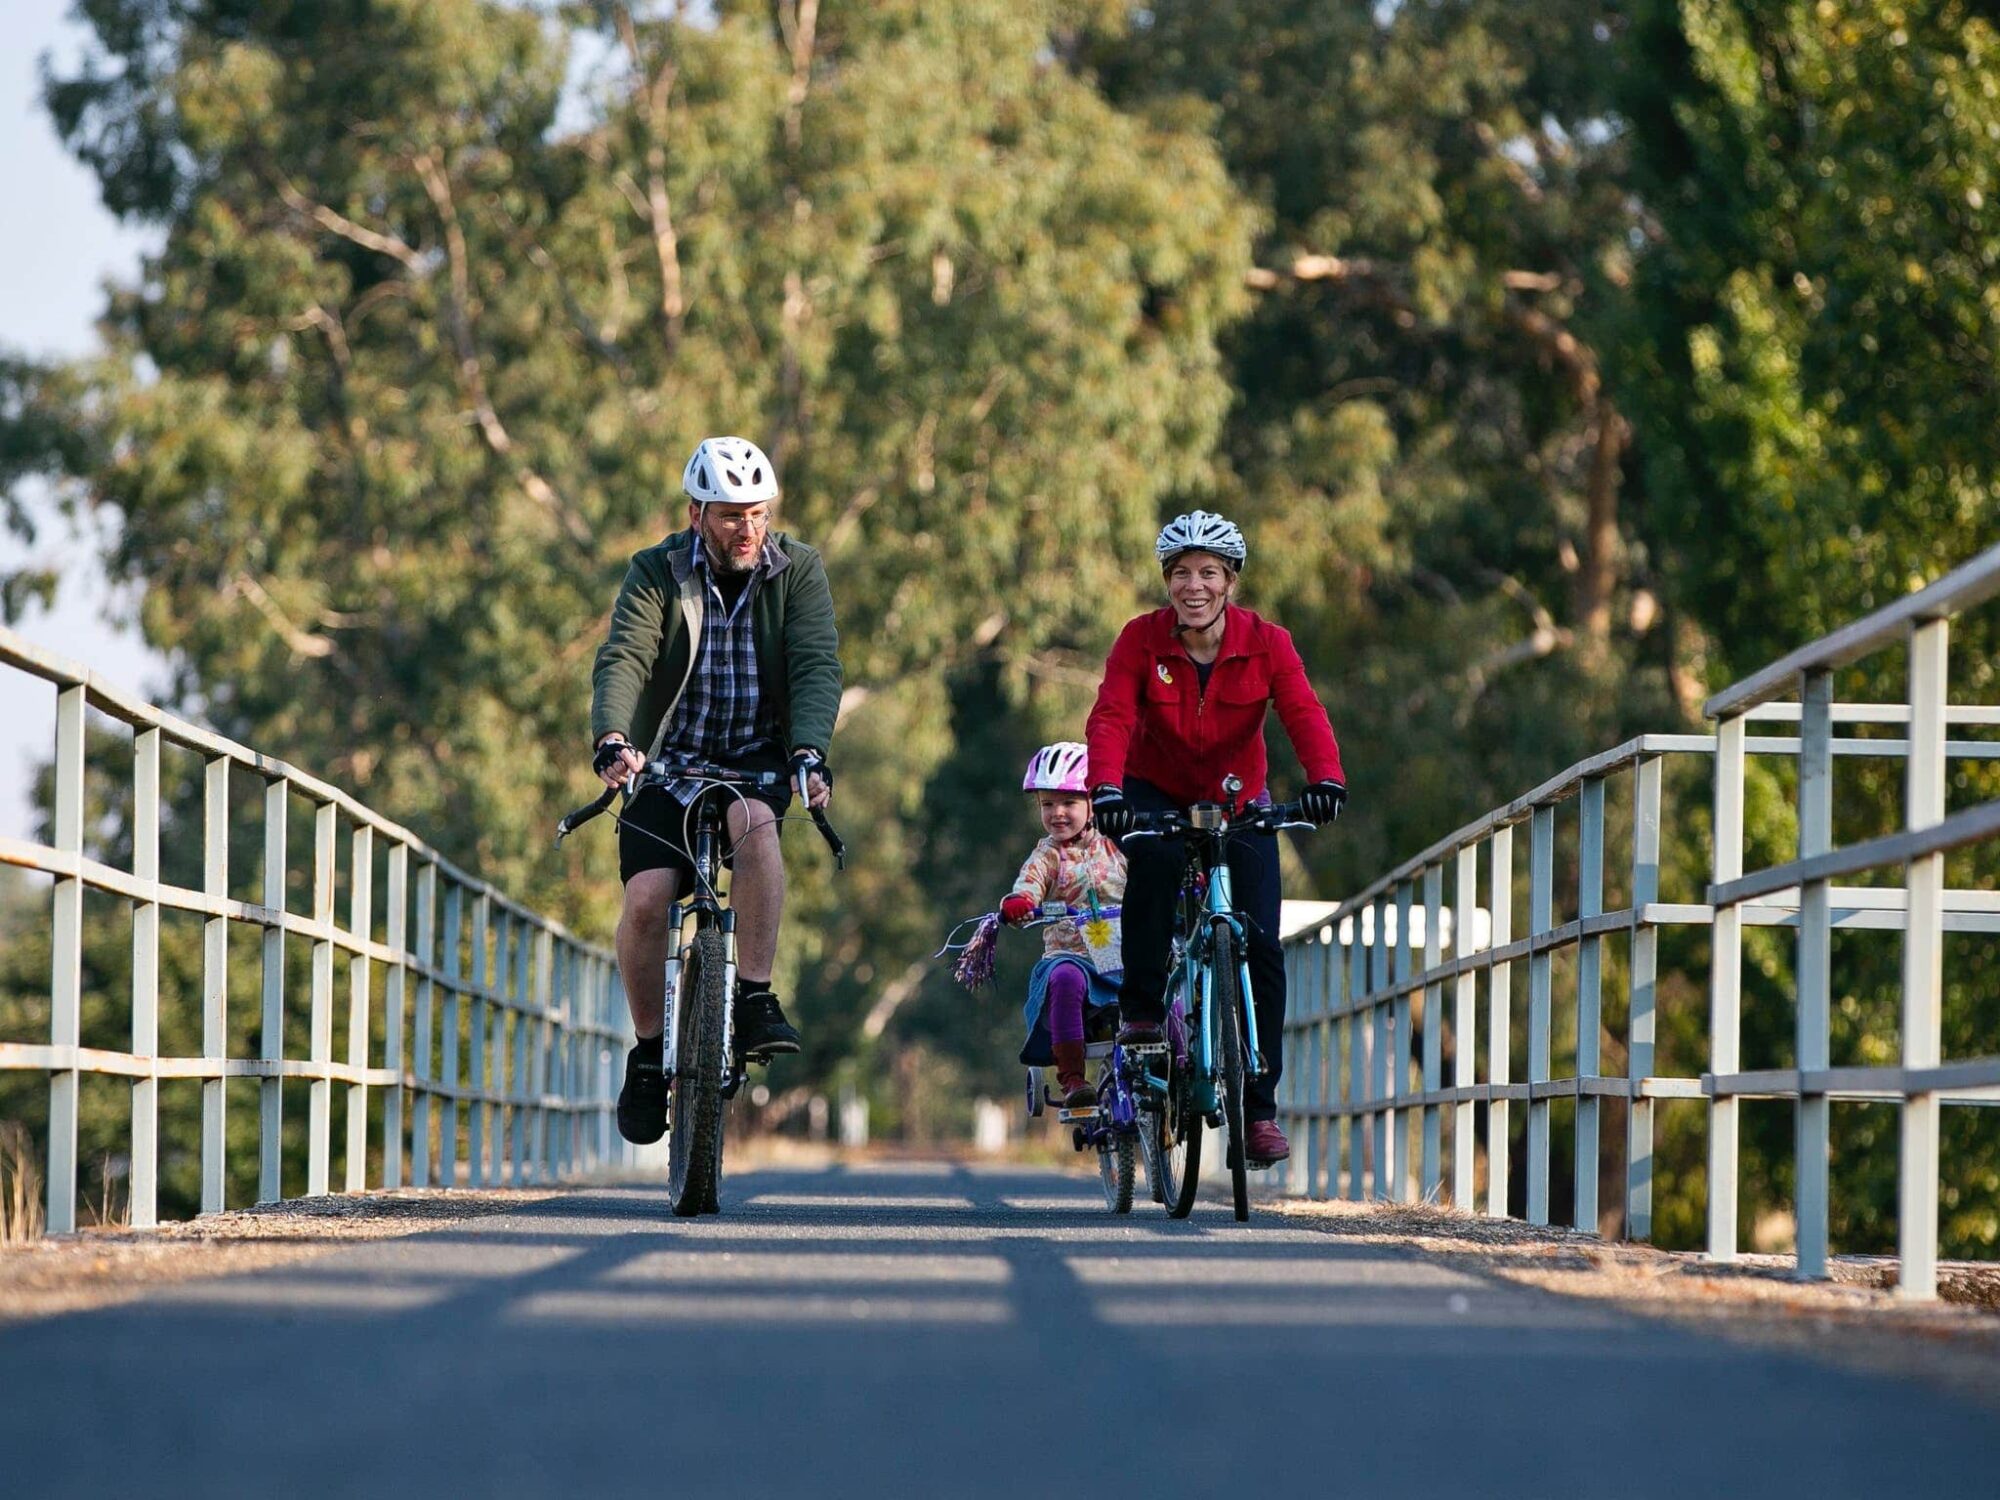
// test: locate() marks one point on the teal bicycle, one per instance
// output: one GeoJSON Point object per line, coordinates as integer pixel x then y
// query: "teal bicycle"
{"type": "Point", "coordinates": [1197, 1075]}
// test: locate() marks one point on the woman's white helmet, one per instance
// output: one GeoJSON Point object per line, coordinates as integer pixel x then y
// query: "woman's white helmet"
{"type": "Point", "coordinates": [1057, 768]}
{"type": "Point", "coordinates": [731, 471]}
{"type": "Point", "coordinates": [1201, 531]}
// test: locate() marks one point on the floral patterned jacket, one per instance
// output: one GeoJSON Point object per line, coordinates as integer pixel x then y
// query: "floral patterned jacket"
{"type": "Point", "coordinates": [1088, 866]}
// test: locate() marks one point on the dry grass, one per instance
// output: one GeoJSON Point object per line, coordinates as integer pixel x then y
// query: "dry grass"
{"type": "Point", "coordinates": [20, 1185]}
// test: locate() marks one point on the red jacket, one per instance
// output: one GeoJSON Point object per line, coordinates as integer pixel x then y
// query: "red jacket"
{"type": "Point", "coordinates": [1154, 721]}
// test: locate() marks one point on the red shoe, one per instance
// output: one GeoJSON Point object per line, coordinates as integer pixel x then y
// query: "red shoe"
{"type": "Point", "coordinates": [1265, 1145]}
{"type": "Point", "coordinates": [1070, 1080]}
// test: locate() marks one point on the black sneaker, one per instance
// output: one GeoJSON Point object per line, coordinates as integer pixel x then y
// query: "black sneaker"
{"type": "Point", "coordinates": [642, 1103]}
{"type": "Point", "coordinates": [761, 1027]}
{"type": "Point", "coordinates": [1142, 1034]}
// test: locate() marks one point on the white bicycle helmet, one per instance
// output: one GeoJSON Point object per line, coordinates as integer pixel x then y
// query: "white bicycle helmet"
{"type": "Point", "coordinates": [1201, 531]}
{"type": "Point", "coordinates": [1057, 768]}
{"type": "Point", "coordinates": [729, 470]}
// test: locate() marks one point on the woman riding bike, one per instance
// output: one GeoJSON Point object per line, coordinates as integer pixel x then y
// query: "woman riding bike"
{"type": "Point", "coordinates": [1182, 705]}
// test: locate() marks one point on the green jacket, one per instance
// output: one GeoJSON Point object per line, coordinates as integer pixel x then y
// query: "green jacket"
{"type": "Point", "coordinates": [643, 666]}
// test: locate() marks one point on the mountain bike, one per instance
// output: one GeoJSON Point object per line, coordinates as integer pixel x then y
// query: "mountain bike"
{"type": "Point", "coordinates": [1211, 1047]}
{"type": "Point", "coordinates": [703, 1064]}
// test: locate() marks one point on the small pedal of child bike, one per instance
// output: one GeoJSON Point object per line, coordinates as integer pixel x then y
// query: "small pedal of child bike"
{"type": "Point", "coordinates": [1077, 1116]}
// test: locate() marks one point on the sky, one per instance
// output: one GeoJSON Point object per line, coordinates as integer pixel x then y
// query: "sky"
{"type": "Point", "coordinates": [59, 250]}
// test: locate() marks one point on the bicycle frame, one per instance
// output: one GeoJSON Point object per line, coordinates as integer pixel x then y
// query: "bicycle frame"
{"type": "Point", "coordinates": [1192, 973]}
{"type": "Point", "coordinates": [706, 910]}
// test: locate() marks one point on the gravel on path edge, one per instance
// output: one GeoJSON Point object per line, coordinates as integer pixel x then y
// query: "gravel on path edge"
{"type": "Point", "coordinates": [101, 1267]}
{"type": "Point", "coordinates": [1854, 1318]}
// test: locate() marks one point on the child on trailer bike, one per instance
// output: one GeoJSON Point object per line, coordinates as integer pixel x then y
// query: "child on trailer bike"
{"type": "Point", "coordinates": [1081, 869]}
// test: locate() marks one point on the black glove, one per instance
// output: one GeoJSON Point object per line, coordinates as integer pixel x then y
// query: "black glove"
{"type": "Point", "coordinates": [608, 755]}
{"type": "Point", "coordinates": [808, 761]}
{"type": "Point", "coordinates": [1112, 814]}
{"type": "Point", "coordinates": [1322, 801]}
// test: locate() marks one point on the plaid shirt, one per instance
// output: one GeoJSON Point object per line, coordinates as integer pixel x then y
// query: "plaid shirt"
{"type": "Point", "coordinates": [723, 716]}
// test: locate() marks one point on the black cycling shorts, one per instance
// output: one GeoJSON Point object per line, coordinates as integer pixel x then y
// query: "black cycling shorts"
{"type": "Point", "coordinates": [656, 832]}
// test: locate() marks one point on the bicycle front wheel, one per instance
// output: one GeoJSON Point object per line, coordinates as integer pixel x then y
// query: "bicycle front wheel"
{"type": "Point", "coordinates": [1174, 1131]}
{"type": "Point", "coordinates": [1228, 1001]}
{"type": "Point", "coordinates": [694, 1149]}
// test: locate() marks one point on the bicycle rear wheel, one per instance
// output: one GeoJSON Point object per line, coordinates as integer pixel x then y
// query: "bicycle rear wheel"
{"type": "Point", "coordinates": [694, 1148]}
{"type": "Point", "coordinates": [1228, 1002]}
{"type": "Point", "coordinates": [1116, 1170]}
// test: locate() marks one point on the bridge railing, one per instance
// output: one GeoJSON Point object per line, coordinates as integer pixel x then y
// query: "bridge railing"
{"type": "Point", "coordinates": [1426, 957]}
{"type": "Point", "coordinates": [494, 1017]}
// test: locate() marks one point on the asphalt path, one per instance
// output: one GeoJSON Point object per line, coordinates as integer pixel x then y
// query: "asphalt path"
{"type": "Point", "coordinates": [928, 1329]}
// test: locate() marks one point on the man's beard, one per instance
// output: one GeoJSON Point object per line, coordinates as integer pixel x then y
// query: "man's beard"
{"type": "Point", "coordinates": [720, 558]}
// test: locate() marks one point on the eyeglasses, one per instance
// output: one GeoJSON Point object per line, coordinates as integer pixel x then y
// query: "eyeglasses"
{"type": "Point", "coordinates": [750, 521]}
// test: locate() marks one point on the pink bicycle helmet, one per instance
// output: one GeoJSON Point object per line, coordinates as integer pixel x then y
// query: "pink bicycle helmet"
{"type": "Point", "coordinates": [1057, 768]}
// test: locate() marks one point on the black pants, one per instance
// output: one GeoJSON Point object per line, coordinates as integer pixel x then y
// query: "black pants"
{"type": "Point", "coordinates": [1153, 880]}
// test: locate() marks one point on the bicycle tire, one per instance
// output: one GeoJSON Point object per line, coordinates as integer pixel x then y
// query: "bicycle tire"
{"type": "Point", "coordinates": [1180, 1126]}
{"type": "Point", "coordinates": [1115, 1171]}
{"type": "Point", "coordinates": [694, 1146]}
{"type": "Point", "coordinates": [1229, 1028]}
{"type": "Point", "coordinates": [1149, 1152]}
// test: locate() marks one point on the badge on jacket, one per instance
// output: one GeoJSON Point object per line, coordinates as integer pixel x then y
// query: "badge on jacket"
{"type": "Point", "coordinates": [1165, 676]}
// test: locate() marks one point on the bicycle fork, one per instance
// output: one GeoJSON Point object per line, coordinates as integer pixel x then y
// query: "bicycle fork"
{"type": "Point", "coordinates": [676, 966]}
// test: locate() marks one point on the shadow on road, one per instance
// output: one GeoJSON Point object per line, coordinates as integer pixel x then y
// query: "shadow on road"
{"type": "Point", "coordinates": [932, 1329]}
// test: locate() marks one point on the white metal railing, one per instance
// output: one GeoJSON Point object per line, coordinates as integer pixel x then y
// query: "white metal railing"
{"type": "Point", "coordinates": [535, 1012]}
{"type": "Point", "coordinates": [1350, 1030]}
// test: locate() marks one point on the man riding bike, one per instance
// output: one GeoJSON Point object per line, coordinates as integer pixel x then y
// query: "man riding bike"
{"type": "Point", "coordinates": [722, 650]}
{"type": "Point", "coordinates": [1182, 704]}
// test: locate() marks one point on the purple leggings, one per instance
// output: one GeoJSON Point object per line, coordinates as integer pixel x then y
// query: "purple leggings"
{"type": "Point", "coordinates": [1068, 986]}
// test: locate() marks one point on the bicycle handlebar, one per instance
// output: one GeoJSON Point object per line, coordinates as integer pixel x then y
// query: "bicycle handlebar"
{"type": "Point", "coordinates": [661, 771]}
{"type": "Point", "coordinates": [1272, 819]}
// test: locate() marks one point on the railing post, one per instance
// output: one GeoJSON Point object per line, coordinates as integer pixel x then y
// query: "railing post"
{"type": "Point", "coordinates": [538, 1077]}
{"type": "Point", "coordinates": [214, 982]}
{"type": "Point", "coordinates": [424, 1033]}
{"type": "Point", "coordinates": [1640, 1025]}
{"type": "Point", "coordinates": [1589, 997]}
{"type": "Point", "coordinates": [1433, 1054]}
{"type": "Point", "coordinates": [271, 1018]}
{"type": "Point", "coordinates": [1295, 1097]}
{"type": "Point", "coordinates": [1465, 1029]}
{"type": "Point", "coordinates": [397, 938]}
{"type": "Point", "coordinates": [360, 926]}
{"type": "Point", "coordinates": [511, 1049]}
{"type": "Point", "coordinates": [1815, 955]}
{"type": "Point", "coordinates": [1923, 950]}
{"type": "Point", "coordinates": [1500, 1022]}
{"type": "Point", "coordinates": [1725, 1005]}
{"type": "Point", "coordinates": [1356, 1026]}
{"type": "Point", "coordinates": [482, 1108]}
{"type": "Point", "coordinates": [319, 1098]}
{"type": "Point", "coordinates": [1405, 1177]}
{"type": "Point", "coordinates": [454, 971]}
{"type": "Point", "coordinates": [66, 963]}
{"type": "Point", "coordinates": [1541, 906]}
{"type": "Point", "coordinates": [145, 1197]}
{"type": "Point", "coordinates": [1326, 1177]}
{"type": "Point", "coordinates": [1380, 1050]}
